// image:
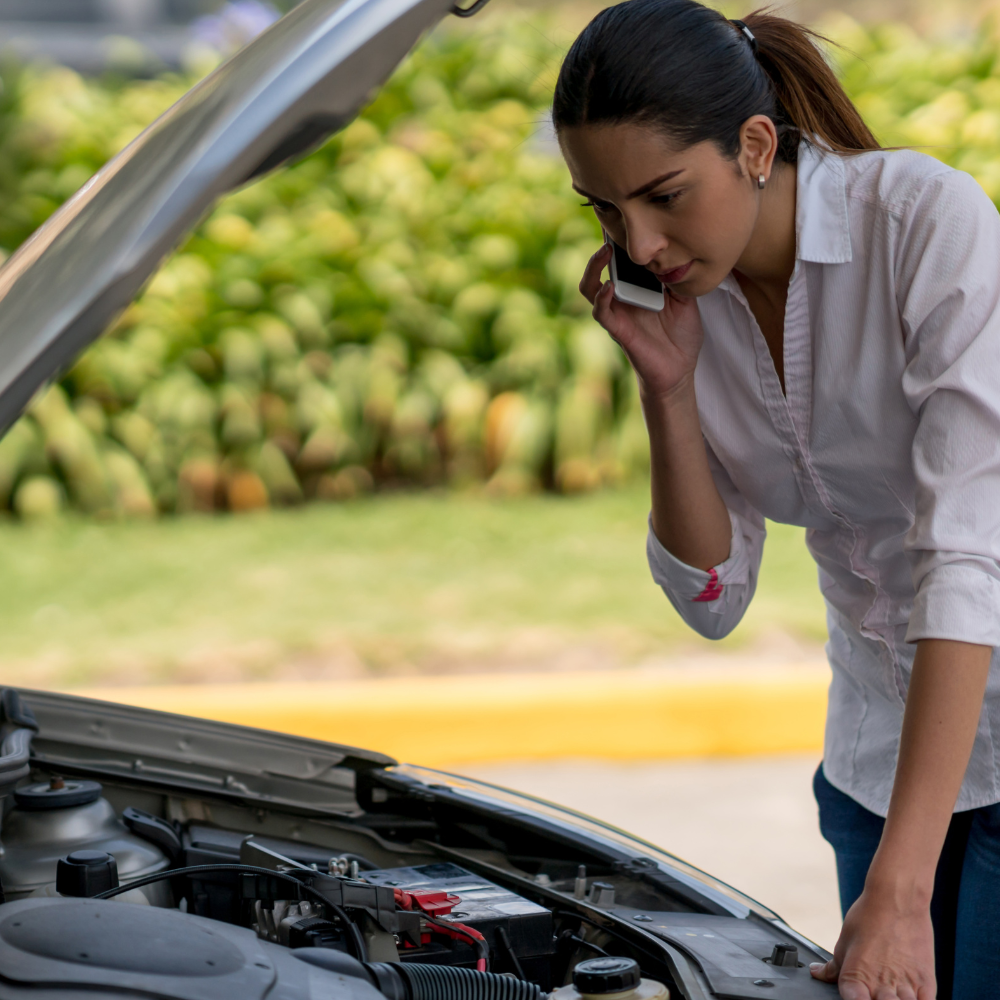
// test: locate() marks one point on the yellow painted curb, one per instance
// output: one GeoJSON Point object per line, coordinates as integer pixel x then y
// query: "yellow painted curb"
{"type": "Point", "coordinates": [621, 715]}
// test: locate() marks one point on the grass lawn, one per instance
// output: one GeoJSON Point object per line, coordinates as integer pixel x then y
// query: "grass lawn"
{"type": "Point", "coordinates": [394, 584]}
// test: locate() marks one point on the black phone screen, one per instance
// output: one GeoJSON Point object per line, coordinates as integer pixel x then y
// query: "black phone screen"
{"type": "Point", "coordinates": [632, 273]}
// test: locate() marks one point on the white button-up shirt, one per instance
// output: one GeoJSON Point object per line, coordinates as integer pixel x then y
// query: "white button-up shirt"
{"type": "Point", "coordinates": [885, 444]}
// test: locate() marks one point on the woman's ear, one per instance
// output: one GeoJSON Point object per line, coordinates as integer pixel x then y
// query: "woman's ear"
{"type": "Point", "coordinates": [758, 147]}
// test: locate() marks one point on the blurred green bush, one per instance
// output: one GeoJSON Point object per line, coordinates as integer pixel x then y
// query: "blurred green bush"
{"type": "Point", "coordinates": [399, 308]}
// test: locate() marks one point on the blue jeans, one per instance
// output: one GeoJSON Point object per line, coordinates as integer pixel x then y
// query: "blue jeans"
{"type": "Point", "coordinates": [966, 907]}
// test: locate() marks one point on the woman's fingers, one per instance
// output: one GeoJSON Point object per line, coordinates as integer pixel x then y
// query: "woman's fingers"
{"type": "Point", "coordinates": [661, 347]}
{"type": "Point", "coordinates": [830, 972]}
{"type": "Point", "coordinates": [827, 972]}
{"type": "Point", "coordinates": [590, 283]}
{"type": "Point", "coordinates": [851, 986]}
{"type": "Point", "coordinates": [853, 990]}
{"type": "Point", "coordinates": [602, 300]}
{"type": "Point", "coordinates": [858, 991]}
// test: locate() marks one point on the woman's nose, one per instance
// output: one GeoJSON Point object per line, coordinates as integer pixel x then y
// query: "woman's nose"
{"type": "Point", "coordinates": [644, 247]}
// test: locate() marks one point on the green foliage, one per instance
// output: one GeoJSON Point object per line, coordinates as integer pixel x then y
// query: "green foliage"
{"type": "Point", "coordinates": [938, 95]}
{"type": "Point", "coordinates": [399, 308]}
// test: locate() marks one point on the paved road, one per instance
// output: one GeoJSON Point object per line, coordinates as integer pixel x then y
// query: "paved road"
{"type": "Point", "coordinates": [750, 822]}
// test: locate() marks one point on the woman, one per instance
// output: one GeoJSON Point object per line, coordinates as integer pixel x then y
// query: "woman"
{"type": "Point", "coordinates": [828, 356]}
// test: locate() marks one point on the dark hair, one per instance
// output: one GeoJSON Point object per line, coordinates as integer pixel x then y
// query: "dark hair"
{"type": "Point", "coordinates": [681, 67]}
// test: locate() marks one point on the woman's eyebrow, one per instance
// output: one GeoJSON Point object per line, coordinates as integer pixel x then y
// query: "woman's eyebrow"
{"type": "Point", "coordinates": [646, 188]}
{"type": "Point", "coordinates": [639, 192]}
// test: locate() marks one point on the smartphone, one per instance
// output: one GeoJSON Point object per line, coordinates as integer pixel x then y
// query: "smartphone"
{"type": "Point", "coordinates": [634, 284]}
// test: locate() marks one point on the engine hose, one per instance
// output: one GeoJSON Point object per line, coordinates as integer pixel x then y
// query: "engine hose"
{"type": "Point", "coordinates": [444, 982]}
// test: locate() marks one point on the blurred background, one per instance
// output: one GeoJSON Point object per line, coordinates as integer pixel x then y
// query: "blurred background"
{"type": "Point", "coordinates": [360, 444]}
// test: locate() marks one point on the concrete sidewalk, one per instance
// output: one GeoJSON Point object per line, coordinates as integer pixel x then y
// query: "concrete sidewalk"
{"type": "Point", "coordinates": [750, 822]}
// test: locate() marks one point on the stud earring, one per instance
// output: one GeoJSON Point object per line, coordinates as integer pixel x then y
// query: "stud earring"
{"type": "Point", "coordinates": [761, 181]}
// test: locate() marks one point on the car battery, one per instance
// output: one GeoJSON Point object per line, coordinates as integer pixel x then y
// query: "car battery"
{"type": "Point", "coordinates": [517, 931]}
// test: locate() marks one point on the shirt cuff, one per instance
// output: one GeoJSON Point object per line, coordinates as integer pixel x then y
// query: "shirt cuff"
{"type": "Point", "coordinates": [956, 602]}
{"type": "Point", "coordinates": [687, 583]}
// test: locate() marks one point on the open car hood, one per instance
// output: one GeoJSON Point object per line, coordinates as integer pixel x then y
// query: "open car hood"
{"type": "Point", "coordinates": [210, 788]}
{"type": "Point", "coordinates": [304, 78]}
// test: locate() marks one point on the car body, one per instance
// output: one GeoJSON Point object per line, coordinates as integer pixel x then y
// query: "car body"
{"type": "Point", "coordinates": [222, 787]}
{"type": "Point", "coordinates": [243, 851]}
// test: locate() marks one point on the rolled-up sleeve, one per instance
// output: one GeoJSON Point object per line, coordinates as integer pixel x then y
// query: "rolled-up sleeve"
{"type": "Point", "coordinates": [949, 282]}
{"type": "Point", "coordinates": [713, 601]}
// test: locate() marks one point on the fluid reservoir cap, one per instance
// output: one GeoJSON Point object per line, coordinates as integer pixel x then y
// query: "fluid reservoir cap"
{"type": "Point", "coordinates": [86, 873]}
{"type": "Point", "coordinates": [606, 975]}
{"type": "Point", "coordinates": [88, 858]}
{"type": "Point", "coordinates": [58, 793]}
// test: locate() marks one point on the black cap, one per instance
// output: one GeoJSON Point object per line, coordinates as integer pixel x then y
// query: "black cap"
{"type": "Point", "coordinates": [606, 975]}
{"type": "Point", "coordinates": [785, 955]}
{"type": "Point", "coordinates": [86, 873]}
{"type": "Point", "coordinates": [57, 794]}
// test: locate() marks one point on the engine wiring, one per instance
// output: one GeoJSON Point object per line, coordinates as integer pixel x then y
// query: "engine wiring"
{"type": "Point", "coordinates": [583, 942]}
{"type": "Point", "coordinates": [504, 938]}
{"type": "Point", "coordinates": [357, 940]}
{"type": "Point", "coordinates": [617, 935]}
{"type": "Point", "coordinates": [433, 904]}
{"type": "Point", "coordinates": [466, 933]}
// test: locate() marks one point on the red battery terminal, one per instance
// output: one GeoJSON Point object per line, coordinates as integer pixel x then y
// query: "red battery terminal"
{"type": "Point", "coordinates": [431, 901]}
{"type": "Point", "coordinates": [435, 904]}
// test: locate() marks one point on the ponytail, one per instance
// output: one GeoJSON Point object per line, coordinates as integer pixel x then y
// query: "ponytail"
{"type": "Point", "coordinates": [681, 67]}
{"type": "Point", "coordinates": [807, 93]}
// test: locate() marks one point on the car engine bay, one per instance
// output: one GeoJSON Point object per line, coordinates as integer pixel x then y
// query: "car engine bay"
{"type": "Point", "coordinates": [141, 881]}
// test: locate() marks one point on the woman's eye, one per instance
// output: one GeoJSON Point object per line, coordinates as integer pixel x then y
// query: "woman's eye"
{"type": "Point", "coordinates": [665, 199]}
{"type": "Point", "coordinates": [598, 206]}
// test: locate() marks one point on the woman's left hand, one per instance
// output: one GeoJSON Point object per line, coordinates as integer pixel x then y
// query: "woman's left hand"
{"type": "Point", "coordinates": [885, 950]}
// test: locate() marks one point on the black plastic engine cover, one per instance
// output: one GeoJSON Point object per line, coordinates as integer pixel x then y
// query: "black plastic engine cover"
{"type": "Point", "coordinates": [89, 945]}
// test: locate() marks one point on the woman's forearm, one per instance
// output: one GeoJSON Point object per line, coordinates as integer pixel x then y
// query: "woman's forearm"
{"type": "Point", "coordinates": [886, 947]}
{"type": "Point", "coordinates": [943, 706]}
{"type": "Point", "coordinates": [688, 514]}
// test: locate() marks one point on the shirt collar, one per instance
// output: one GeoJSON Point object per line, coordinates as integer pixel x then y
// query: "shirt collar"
{"type": "Point", "coordinates": [822, 231]}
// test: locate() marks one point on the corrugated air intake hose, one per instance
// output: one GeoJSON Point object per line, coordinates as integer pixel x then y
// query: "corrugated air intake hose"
{"type": "Point", "coordinates": [413, 981]}
{"type": "Point", "coordinates": [443, 982]}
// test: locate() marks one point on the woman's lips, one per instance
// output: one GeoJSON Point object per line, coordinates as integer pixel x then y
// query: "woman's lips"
{"type": "Point", "coordinates": [675, 274]}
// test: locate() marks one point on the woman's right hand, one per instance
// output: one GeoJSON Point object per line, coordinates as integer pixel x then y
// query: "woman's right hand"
{"type": "Point", "coordinates": [662, 347]}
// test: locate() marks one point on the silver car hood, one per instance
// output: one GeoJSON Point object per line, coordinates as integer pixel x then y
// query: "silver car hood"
{"type": "Point", "coordinates": [306, 788]}
{"type": "Point", "coordinates": [304, 78]}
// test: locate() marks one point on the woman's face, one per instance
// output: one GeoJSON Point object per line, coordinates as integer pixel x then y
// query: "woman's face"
{"type": "Point", "coordinates": [685, 214]}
